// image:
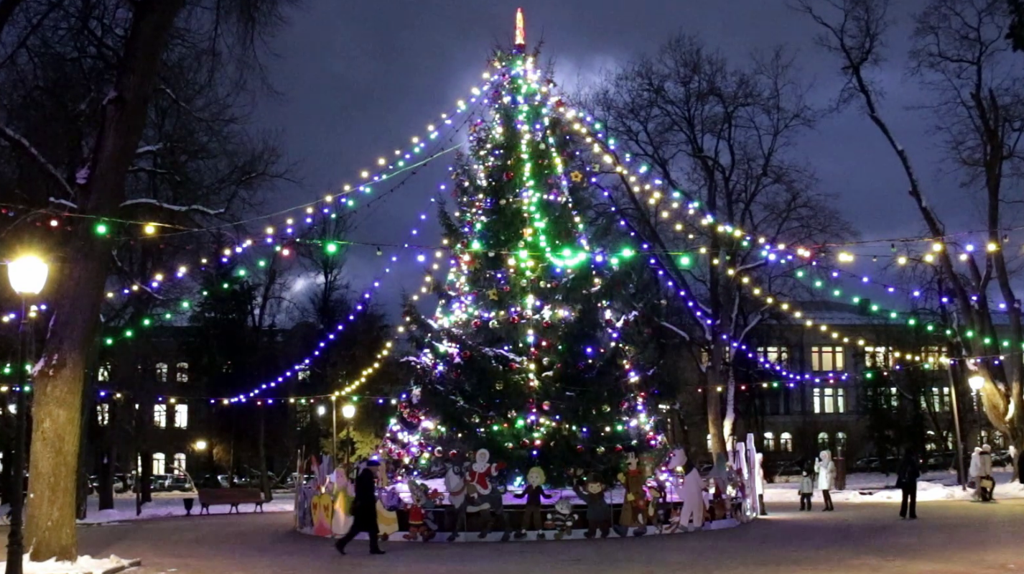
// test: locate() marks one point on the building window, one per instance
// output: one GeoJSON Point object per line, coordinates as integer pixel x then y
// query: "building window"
{"type": "Point", "coordinates": [786, 442]}
{"type": "Point", "coordinates": [161, 372]}
{"type": "Point", "coordinates": [181, 372]}
{"type": "Point", "coordinates": [894, 397]}
{"type": "Point", "coordinates": [823, 440]}
{"type": "Point", "coordinates": [160, 416]}
{"type": "Point", "coordinates": [932, 355]}
{"type": "Point", "coordinates": [303, 373]}
{"type": "Point", "coordinates": [179, 464]}
{"type": "Point", "coordinates": [878, 357]}
{"type": "Point", "coordinates": [778, 356]}
{"type": "Point", "coordinates": [997, 440]}
{"type": "Point", "coordinates": [769, 442]}
{"type": "Point", "coordinates": [829, 400]}
{"type": "Point", "coordinates": [181, 416]}
{"type": "Point", "coordinates": [103, 375]}
{"type": "Point", "coordinates": [103, 414]}
{"type": "Point", "coordinates": [983, 437]}
{"type": "Point", "coordinates": [840, 442]}
{"type": "Point", "coordinates": [159, 463]}
{"type": "Point", "coordinates": [827, 359]}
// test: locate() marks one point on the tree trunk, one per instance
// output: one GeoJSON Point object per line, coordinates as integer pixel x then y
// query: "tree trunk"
{"type": "Point", "coordinates": [264, 481]}
{"type": "Point", "coordinates": [714, 397]}
{"type": "Point", "coordinates": [59, 375]}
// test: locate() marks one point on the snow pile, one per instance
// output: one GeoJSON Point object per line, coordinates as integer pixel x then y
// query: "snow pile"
{"type": "Point", "coordinates": [168, 506]}
{"type": "Point", "coordinates": [877, 487]}
{"type": "Point", "coordinates": [84, 565]}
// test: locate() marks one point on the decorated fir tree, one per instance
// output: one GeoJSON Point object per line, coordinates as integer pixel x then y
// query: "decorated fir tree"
{"type": "Point", "coordinates": [525, 355]}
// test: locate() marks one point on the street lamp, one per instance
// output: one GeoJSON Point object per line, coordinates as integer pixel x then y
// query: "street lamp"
{"type": "Point", "coordinates": [976, 382]}
{"type": "Point", "coordinates": [27, 275]}
{"type": "Point", "coordinates": [348, 411]}
{"type": "Point", "coordinates": [201, 445]}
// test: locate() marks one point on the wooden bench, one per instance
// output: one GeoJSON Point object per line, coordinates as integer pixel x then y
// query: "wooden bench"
{"type": "Point", "coordinates": [231, 496]}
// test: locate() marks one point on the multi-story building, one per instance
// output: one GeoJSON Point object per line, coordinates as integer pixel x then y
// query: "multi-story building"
{"type": "Point", "coordinates": [856, 398]}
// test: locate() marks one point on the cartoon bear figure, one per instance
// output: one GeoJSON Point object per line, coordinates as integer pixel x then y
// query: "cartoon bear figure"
{"type": "Point", "coordinates": [562, 519]}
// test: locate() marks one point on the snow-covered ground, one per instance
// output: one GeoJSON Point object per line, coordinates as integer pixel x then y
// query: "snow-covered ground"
{"type": "Point", "coordinates": [84, 565]}
{"type": "Point", "coordinates": [170, 504]}
{"type": "Point", "coordinates": [877, 487]}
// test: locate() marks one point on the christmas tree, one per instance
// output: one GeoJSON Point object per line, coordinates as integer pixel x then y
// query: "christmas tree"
{"type": "Point", "coordinates": [526, 354]}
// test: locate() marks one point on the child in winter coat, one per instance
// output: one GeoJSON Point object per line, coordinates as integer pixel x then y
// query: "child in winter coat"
{"type": "Point", "coordinates": [806, 490]}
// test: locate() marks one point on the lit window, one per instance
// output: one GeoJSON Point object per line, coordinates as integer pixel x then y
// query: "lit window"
{"type": "Point", "coordinates": [840, 441]}
{"type": "Point", "coordinates": [827, 359]}
{"type": "Point", "coordinates": [932, 355]}
{"type": "Point", "coordinates": [709, 442]}
{"type": "Point", "coordinates": [103, 375]}
{"type": "Point", "coordinates": [947, 403]}
{"type": "Point", "coordinates": [161, 372]}
{"type": "Point", "coordinates": [830, 406]}
{"type": "Point", "coordinates": [786, 442]}
{"type": "Point", "coordinates": [983, 437]}
{"type": "Point", "coordinates": [823, 440]}
{"type": "Point", "coordinates": [181, 416]}
{"type": "Point", "coordinates": [159, 463]}
{"type": "Point", "coordinates": [769, 441]}
{"type": "Point", "coordinates": [181, 372]}
{"type": "Point", "coordinates": [997, 440]}
{"type": "Point", "coordinates": [179, 464]}
{"type": "Point", "coordinates": [816, 399]}
{"type": "Point", "coordinates": [160, 416]}
{"type": "Point", "coordinates": [840, 401]}
{"type": "Point", "coordinates": [103, 414]}
{"type": "Point", "coordinates": [894, 397]}
{"type": "Point", "coordinates": [303, 373]}
{"type": "Point", "coordinates": [778, 356]}
{"type": "Point", "coordinates": [878, 357]}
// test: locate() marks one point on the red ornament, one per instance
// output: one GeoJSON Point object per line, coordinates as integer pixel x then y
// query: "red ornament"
{"type": "Point", "coordinates": [466, 354]}
{"type": "Point", "coordinates": [476, 324]}
{"type": "Point", "coordinates": [514, 319]}
{"type": "Point", "coordinates": [513, 366]}
{"type": "Point", "coordinates": [509, 176]}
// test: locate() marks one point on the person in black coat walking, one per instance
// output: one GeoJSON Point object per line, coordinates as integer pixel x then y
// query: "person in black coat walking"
{"type": "Point", "coordinates": [364, 509]}
{"type": "Point", "coordinates": [906, 481]}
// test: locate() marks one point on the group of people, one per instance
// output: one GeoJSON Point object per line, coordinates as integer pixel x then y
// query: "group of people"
{"type": "Point", "coordinates": [980, 474]}
{"type": "Point", "coordinates": [825, 472]}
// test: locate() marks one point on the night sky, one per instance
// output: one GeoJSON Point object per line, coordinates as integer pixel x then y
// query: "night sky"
{"type": "Point", "coordinates": [360, 78]}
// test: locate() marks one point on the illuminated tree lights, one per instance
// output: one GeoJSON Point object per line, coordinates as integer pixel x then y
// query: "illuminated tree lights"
{"type": "Point", "coordinates": [527, 353]}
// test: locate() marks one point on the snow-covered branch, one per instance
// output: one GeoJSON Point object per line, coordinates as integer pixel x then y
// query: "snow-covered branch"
{"type": "Point", "coordinates": [170, 207]}
{"type": "Point", "coordinates": [676, 330]}
{"type": "Point", "coordinates": [63, 202]}
{"type": "Point", "coordinates": [148, 149]}
{"type": "Point", "coordinates": [18, 141]}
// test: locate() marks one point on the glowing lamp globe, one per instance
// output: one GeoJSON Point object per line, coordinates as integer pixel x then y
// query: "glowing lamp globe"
{"type": "Point", "coordinates": [27, 275]}
{"type": "Point", "coordinates": [201, 445]}
{"type": "Point", "coordinates": [348, 411]}
{"type": "Point", "coordinates": [976, 382]}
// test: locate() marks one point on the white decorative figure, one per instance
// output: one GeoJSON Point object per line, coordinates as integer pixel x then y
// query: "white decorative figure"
{"type": "Point", "coordinates": [691, 491]}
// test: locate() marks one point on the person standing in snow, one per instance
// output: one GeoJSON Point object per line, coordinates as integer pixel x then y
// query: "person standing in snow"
{"type": "Point", "coordinates": [986, 483]}
{"type": "Point", "coordinates": [909, 472]}
{"type": "Point", "coordinates": [826, 470]}
{"type": "Point", "coordinates": [806, 491]}
{"type": "Point", "coordinates": [364, 509]}
{"type": "Point", "coordinates": [974, 473]}
{"type": "Point", "coordinates": [759, 484]}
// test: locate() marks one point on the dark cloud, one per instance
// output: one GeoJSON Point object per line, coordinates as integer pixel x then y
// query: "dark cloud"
{"type": "Point", "coordinates": [360, 78]}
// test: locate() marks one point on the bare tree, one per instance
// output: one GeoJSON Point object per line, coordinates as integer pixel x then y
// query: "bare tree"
{"type": "Point", "coordinates": [721, 135]}
{"type": "Point", "coordinates": [960, 55]}
{"type": "Point", "coordinates": [120, 48]}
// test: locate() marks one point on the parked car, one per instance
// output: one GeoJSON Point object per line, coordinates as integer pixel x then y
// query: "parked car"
{"type": "Point", "coordinates": [784, 469]}
{"type": "Point", "coordinates": [180, 484]}
{"type": "Point", "coordinates": [940, 461]}
{"type": "Point", "coordinates": [160, 482]}
{"type": "Point", "coordinates": [864, 464]}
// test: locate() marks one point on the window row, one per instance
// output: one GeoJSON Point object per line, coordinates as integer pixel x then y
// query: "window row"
{"type": "Point", "coordinates": [178, 415]}
{"type": "Point", "coordinates": [160, 466]}
{"type": "Point", "coordinates": [162, 370]}
{"type": "Point", "coordinates": [784, 442]}
{"type": "Point", "coordinates": [832, 358]}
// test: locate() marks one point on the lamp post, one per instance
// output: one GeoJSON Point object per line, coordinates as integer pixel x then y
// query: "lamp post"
{"type": "Point", "coordinates": [27, 275]}
{"type": "Point", "coordinates": [348, 411]}
{"type": "Point", "coordinates": [334, 428]}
